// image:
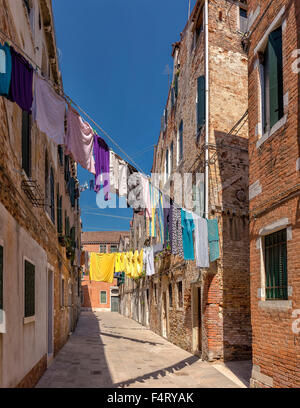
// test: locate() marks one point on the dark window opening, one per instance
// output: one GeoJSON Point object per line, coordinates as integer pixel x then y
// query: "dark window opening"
{"type": "Point", "coordinates": [273, 106]}
{"type": "Point", "coordinates": [180, 295]}
{"type": "Point", "coordinates": [276, 266]}
{"type": "Point", "coordinates": [170, 296]}
{"type": "Point", "coordinates": [29, 289]}
{"type": "Point", "coordinates": [243, 20]}
{"type": "Point", "coordinates": [26, 143]}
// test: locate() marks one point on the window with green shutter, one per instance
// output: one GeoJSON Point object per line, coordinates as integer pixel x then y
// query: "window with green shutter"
{"type": "Point", "coordinates": [180, 140]}
{"type": "Point", "coordinates": [103, 297]}
{"type": "Point", "coordinates": [60, 155]}
{"type": "Point", "coordinates": [29, 281]}
{"type": "Point", "coordinates": [26, 143]}
{"type": "Point", "coordinates": [276, 266]}
{"type": "Point", "coordinates": [201, 108]}
{"type": "Point", "coordinates": [59, 212]}
{"type": "Point", "coordinates": [1, 278]}
{"type": "Point", "coordinates": [52, 194]}
{"type": "Point", "coordinates": [273, 80]}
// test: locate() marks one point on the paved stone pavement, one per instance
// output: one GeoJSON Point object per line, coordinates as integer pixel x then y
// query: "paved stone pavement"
{"type": "Point", "coordinates": [110, 350]}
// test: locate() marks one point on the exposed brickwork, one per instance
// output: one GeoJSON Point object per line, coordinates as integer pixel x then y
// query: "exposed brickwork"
{"type": "Point", "coordinates": [276, 349]}
{"type": "Point", "coordinates": [225, 330]}
{"type": "Point", "coordinates": [36, 221]}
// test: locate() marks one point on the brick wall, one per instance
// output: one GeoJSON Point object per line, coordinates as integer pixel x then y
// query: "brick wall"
{"type": "Point", "coordinates": [276, 348]}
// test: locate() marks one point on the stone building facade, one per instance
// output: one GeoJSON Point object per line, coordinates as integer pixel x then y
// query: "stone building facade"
{"type": "Point", "coordinates": [101, 296]}
{"type": "Point", "coordinates": [39, 216]}
{"type": "Point", "coordinates": [272, 42]}
{"type": "Point", "coordinates": [204, 311]}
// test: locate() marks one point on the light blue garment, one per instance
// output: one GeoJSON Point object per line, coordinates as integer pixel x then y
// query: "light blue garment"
{"type": "Point", "coordinates": [5, 69]}
{"type": "Point", "coordinates": [188, 226]}
{"type": "Point", "coordinates": [213, 239]}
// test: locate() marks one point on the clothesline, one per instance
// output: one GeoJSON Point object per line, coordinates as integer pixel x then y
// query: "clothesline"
{"type": "Point", "coordinates": [176, 224]}
{"type": "Point", "coordinates": [68, 100]}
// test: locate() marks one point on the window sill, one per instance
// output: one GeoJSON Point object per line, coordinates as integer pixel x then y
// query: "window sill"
{"type": "Point", "coordinates": [274, 129]}
{"type": "Point", "coordinates": [30, 319]}
{"type": "Point", "coordinates": [275, 305]}
{"type": "Point", "coordinates": [180, 309]}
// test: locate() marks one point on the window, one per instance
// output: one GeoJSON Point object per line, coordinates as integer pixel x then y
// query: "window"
{"type": "Point", "coordinates": [103, 297]}
{"type": "Point", "coordinates": [1, 279]}
{"type": "Point", "coordinates": [2, 62]}
{"type": "Point", "coordinates": [102, 248]}
{"type": "Point", "coordinates": [155, 292]}
{"type": "Point", "coordinates": [62, 292]}
{"type": "Point", "coordinates": [59, 213]}
{"type": "Point", "coordinates": [60, 155]}
{"type": "Point", "coordinates": [29, 293]}
{"type": "Point", "coordinates": [243, 20]}
{"type": "Point", "coordinates": [272, 80]}
{"type": "Point", "coordinates": [276, 266]}
{"type": "Point", "coordinates": [171, 157]}
{"type": "Point", "coordinates": [67, 225]}
{"type": "Point", "coordinates": [114, 248]}
{"type": "Point", "coordinates": [180, 294]}
{"type": "Point", "coordinates": [170, 296]}
{"type": "Point", "coordinates": [201, 108]}
{"type": "Point", "coordinates": [26, 142]}
{"type": "Point", "coordinates": [52, 194]}
{"type": "Point", "coordinates": [180, 143]}
{"type": "Point", "coordinates": [167, 165]}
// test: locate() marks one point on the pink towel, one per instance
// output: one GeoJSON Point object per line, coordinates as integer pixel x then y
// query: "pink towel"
{"type": "Point", "coordinates": [79, 140]}
{"type": "Point", "coordinates": [49, 110]}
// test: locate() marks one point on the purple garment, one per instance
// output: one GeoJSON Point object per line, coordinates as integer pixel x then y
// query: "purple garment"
{"type": "Point", "coordinates": [21, 81]}
{"type": "Point", "coordinates": [167, 219]}
{"type": "Point", "coordinates": [101, 153]}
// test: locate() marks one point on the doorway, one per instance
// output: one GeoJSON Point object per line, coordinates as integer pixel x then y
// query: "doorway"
{"type": "Point", "coordinates": [114, 303]}
{"type": "Point", "coordinates": [50, 315]}
{"type": "Point", "coordinates": [197, 320]}
{"type": "Point", "coordinates": [164, 315]}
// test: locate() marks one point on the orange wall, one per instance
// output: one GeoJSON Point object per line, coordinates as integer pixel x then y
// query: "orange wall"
{"type": "Point", "coordinates": [91, 293]}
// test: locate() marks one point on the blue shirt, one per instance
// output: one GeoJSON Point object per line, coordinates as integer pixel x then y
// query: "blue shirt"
{"type": "Point", "coordinates": [188, 226]}
{"type": "Point", "coordinates": [5, 69]}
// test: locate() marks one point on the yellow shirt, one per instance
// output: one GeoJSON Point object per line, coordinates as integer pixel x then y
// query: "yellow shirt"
{"type": "Point", "coordinates": [118, 263]}
{"type": "Point", "coordinates": [102, 267]}
{"type": "Point", "coordinates": [128, 263]}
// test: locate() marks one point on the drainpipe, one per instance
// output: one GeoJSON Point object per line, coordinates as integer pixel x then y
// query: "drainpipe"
{"type": "Point", "coordinates": [206, 109]}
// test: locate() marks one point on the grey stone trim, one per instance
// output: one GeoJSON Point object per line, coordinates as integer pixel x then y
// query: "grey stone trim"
{"type": "Point", "coordinates": [275, 226]}
{"type": "Point", "coordinates": [253, 17]}
{"type": "Point", "coordinates": [272, 27]}
{"type": "Point", "coordinates": [275, 305]}
{"type": "Point", "coordinates": [254, 190]}
{"type": "Point", "coordinates": [258, 376]}
{"type": "Point", "coordinates": [274, 129]}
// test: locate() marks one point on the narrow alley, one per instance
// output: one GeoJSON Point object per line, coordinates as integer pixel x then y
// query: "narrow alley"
{"type": "Point", "coordinates": [109, 350]}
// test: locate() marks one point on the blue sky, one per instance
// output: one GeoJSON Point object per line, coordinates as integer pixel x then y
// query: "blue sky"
{"type": "Point", "coordinates": [113, 55]}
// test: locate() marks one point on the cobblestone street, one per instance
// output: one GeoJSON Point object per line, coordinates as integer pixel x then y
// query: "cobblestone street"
{"type": "Point", "coordinates": [109, 350]}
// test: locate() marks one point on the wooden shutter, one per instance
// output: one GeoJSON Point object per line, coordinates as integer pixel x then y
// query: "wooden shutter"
{"type": "Point", "coordinates": [72, 191]}
{"type": "Point", "coordinates": [275, 76]}
{"type": "Point", "coordinates": [181, 140]}
{"type": "Point", "coordinates": [1, 278]}
{"type": "Point", "coordinates": [276, 265]}
{"type": "Point", "coordinates": [29, 289]}
{"type": "Point", "coordinates": [176, 85]}
{"type": "Point", "coordinates": [60, 215]}
{"type": "Point", "coordinates": [201, 108]}
{"type": "Point", "coordinates": [52, 195]}
{"type": "Point", "coordinates": [26, 142]}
